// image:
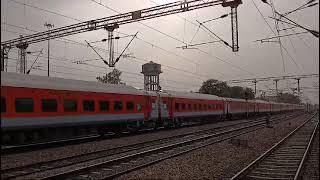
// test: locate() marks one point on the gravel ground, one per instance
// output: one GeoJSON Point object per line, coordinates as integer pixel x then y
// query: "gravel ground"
{"type": "Point", "coordinates": [219, 161]}
{"type": "Point", "coordinates": [14, 160]}
{"type": "Point", "coordinates": [311, 171]}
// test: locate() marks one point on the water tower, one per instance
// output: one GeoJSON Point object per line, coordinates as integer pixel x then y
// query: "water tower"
{"type": "Point", "coordinates": [151, 72]}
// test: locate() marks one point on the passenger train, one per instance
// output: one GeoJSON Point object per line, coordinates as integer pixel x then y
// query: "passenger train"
{"type": "Point", "coordinates": [37, 107]}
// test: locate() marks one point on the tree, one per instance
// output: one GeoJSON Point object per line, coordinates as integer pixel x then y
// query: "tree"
{"type": "Point", "coordinates": [215, 87]}
{"type": "Point", "coordinates": [249, 93]}
{"type": "Point", "coordinates": [219, 88]}
{"type": "Point", "coordinates": [112, 77]}
{"type": "Point", "coordinates": [289, 98]}
{"type": "Point", "coordinates": [242, 93]}
{"type": "Point", "coordinates": [236, 92]}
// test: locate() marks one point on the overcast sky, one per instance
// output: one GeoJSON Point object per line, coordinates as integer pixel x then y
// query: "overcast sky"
{"type": "Point", "coordinates": [183, 70]}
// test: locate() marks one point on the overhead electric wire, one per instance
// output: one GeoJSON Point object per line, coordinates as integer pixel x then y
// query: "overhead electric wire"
{"type": "Point", "coordinates": [278, 34]}
{"type": "Point", "coordinates": [281, 36]}
{"type": "Point", "coordinates": [152, 28]}
{"type": "Point", "coordinates": [42, 9]}
{"type": "Point", "coordinates": [140, 22]}
{"type": "Point", "coordinates": [136, 58]}
{"type": "Point", "coordinates": [103, 6]}
{"type": "Point", "coordinates": [273, 33]}
{"type": "Point", "coordinates": [222, 60]}
{"type": "Point", "coordinates": [294, 50]}
{"type": "Point", "coordinates": [103, 72]}
{"type": "Point", "coordinates": [85, 45]}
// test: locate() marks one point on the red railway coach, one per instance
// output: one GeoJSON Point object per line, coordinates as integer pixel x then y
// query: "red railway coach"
{"type": "Point", "coordinates": [35, 108]}
{"type": "Point", "coordinates": [33, 105]}
{"type": "Point", "coordinates": [187, 106]}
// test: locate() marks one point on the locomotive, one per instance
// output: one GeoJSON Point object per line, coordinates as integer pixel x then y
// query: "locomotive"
{"type": "Point", "coordinates": [36, 108]}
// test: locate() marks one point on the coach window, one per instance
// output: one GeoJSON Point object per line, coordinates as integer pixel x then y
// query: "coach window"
{"type": "Point", "coordinates": [24, 104]}
{"type": "Point", "coordinates": [130, 106]}
{"type": "Point", "coordinates": [189, 106]}
{"type": "Point", "coordinates": [139, 107]}
{"type": "Point", "coordinates": [70, 105]}
{"type": "Point", "coordinates": [183, 106]}
{"type": "Point", "coordinates": [209, 106]}
{"type": "Point", "coordinates": [164, 104]}
{"type": "Point", "coordinates": [177, 106]}
{"type": "Point", "coordinates": [104, 105]}
{"type": "Point", "coordinates": [88, 105]}
{"type": "Point", "coordinates": [49, 105]}
{"type": "Point", "coordinates": [118, 106]}
{"type": "Point", "coordinates": [195, 106]}
{"type": "Point", "coordinates": [3, 105]}
{"type": "Point", "coordinates": [200, 106]}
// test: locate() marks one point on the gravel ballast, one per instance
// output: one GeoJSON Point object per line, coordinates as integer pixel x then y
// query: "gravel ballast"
{"type": "Point", "coordinates": [216, 161]}
{"type": "Point", "coordinates": [311, 170]}
{"type": "Point", "coordinates": [14, 160]}
{"type": "Point", "coordinates": [219, 161]}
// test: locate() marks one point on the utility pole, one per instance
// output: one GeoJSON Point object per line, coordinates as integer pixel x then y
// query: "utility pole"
{"type": "Point", "coordinates": [49, 26]}
{"type": "Point", "coordinates": [110, 29]}
{"type": "Point", "coordinates": [255, 87]}
{"type": "Point", "coordinates": [276, 80]}
{"type": "Point", "coordinates": [298, 79]}
{"type": "Point", "coordinates": [234, 22]}
{"type": "Point", "coordinates": [22, 62]}
{"type": "Point", "coordinates": [4, 57]}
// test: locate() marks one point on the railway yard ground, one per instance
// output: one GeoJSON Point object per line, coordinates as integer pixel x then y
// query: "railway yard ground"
{"type": "Point", "coordinates": [220, 160]}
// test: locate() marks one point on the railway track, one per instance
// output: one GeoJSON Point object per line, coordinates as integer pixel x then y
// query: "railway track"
{"type": "Point", "coordinates": [114, 162]}
{"type": "Point", "coordinates": [77, 140]}
{"type": "Point", "coordinates": [10, 149]}
{"type": "Point", "coordinates": [285, 159]}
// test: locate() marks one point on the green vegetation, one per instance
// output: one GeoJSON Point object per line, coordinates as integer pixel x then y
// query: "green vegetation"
{"type": "Point", "coordinates": [112, 77]}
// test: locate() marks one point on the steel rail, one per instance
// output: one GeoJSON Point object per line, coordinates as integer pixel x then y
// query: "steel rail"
{"type": "Point", "coordinates": [71, 160]}
{"type": "Point", "coordinates": [297, 175]}
{"type": "Point", "coordinates": [126, 158]}
{"type": "Point", "coordinates": [245, 170]}
{"type": "Point", "coordinates": [25, 147]}
{"type": "Point", "coordinates": [128, 147]}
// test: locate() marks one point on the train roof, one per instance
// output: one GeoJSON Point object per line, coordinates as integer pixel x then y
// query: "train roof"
{"type": "Point", "coordinates": [44, 82]}
{"type": "Point", "coordinates": [190, 95]}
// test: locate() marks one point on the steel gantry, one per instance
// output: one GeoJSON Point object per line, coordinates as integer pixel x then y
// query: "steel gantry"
{"type": "Point", "coordinates": [130, 17]}
{"type": "Point", "coordinates": [276, 79]}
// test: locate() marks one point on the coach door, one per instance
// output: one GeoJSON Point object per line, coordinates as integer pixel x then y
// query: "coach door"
{"type": "Point", "coordinates": [154, 108]}
{"type": "Point", "coordinates": [164, 106]}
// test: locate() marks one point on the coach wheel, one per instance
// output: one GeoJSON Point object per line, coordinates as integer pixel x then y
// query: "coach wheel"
{"type": "Point", "coordinates": [177, 122]}
{"type": "Point", "coordinates": [81, 131]}
{"type": "Point", "coordinates": [6, 139]}
{"type": "Point", "coordinates": [101, 132]}
{"type": "Point", "coordinates": [20, 138]}
{"type": "Point", "coordinates": [44, 133]}
{"type": "Point", "coordinates": [155, 125]}
{"type": "Point", "coordinates": [91, 130]}
{"type": "Point", "coordinates": [167, 124]}
{"type": "Point", "coordinates": [35, 136]}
